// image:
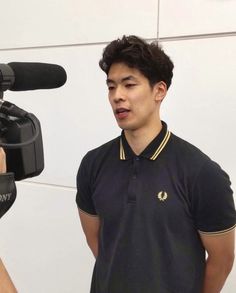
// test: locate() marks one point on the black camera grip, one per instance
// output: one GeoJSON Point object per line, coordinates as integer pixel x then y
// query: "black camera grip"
{"type": "Point", "coordinates": [7, 192]}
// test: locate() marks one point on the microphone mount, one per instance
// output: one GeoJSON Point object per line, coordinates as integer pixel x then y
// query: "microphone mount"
{"type": "Point", "coordinates": [7, 77]}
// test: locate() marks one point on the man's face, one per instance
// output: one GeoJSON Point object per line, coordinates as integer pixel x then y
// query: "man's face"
{"type": "Point", "coordinates": [134, 102]}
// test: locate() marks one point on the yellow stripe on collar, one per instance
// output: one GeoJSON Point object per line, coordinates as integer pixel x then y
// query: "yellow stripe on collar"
{"type": "Point", "coordinates": [161, 146]}
{"type": "Point", "coordinates": [122, 152]}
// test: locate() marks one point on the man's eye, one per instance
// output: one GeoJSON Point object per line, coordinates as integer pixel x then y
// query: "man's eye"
{"type": "Point", "coordinates": [110, 87]}
{"type": "Point", "coordinates": [128, 85]}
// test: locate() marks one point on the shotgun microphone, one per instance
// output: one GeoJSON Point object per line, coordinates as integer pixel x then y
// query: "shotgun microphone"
{"type": "Point", "coordinates": [24, 76]}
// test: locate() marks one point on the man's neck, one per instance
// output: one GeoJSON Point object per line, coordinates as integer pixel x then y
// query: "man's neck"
{"type": "Point", "coordinates": [139, 139]}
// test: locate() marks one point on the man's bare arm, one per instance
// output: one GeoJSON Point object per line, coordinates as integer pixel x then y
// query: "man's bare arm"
{"type": "Point", "coordinates": [2, 161]}
{"type": "Point", "coordinates": [91, 226]}
{"type": "Point", "coordinates": [220, 249]}
{"type": "Point", "coordinates": [6, 285]}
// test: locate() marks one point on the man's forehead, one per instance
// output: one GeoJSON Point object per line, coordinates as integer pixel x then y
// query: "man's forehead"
{"type": "Point", "coordinates": [122, 79]}
{"type": "Point", "coordinates": [119, 72]}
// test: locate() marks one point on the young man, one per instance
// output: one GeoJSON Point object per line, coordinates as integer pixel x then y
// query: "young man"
{"type": "Point", "coordinates": [150, 203]}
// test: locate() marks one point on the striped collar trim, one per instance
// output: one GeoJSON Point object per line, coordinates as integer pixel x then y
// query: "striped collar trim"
{"type": "Point", "coordinates": [161, 146]}
{"type": "Point", "coordinates": [155, 154]}
{"type": "Point", "coordinates": [122, 151]}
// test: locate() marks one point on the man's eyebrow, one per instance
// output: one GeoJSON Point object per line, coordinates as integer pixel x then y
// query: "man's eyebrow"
{"type": "Point", "coordinates": [130, 77]}
{"type": "Point", "coordinates": [109, 80]}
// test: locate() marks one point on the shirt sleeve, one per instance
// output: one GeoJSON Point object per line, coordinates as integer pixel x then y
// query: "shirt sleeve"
{"type": "Point", "coordinates": [84, 195]}
{"type": "Point", "coordinates": [212, 202]}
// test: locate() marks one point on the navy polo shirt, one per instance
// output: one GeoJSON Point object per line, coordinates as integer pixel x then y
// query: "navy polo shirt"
{"type": "Point", "coordinates": [152, 208]}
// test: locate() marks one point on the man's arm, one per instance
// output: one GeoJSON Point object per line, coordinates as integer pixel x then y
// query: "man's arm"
{"type": "Point", "coordinates": [2, 161]}
{"type": "Point", "coordinates": [6, 285]}
{"type": "Point", "coordinates": [220, 249]}
{"type": "Point", "coordinates": [91, 226]}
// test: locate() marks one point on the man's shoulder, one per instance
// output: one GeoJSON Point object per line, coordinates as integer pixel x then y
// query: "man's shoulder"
{"type": "Point", "coordinates": [185, 148]}
{"type": "Point", "coordinates": [194, 163]}
{"type": "Point", "coordinates": [105, 147]}
{"type": "Point", "coordinates": [109, 148]}
{"type": "Point", "coordinates": [189, 156]}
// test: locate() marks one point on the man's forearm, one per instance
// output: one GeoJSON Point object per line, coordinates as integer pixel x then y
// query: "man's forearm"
{"type": "Point", "coordinates": [216, 275]}
{"type": "Point", "coordinates": [93, 245]}
{"type": "Point", "coordinates": [6, 285]}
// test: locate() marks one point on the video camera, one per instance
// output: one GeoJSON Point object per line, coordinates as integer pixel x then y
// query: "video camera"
{"type": "Point", "coordinates": [20, 131]}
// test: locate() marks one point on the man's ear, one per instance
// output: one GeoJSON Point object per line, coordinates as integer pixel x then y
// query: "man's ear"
{"type": "Point", "coordinates": [160, 89]}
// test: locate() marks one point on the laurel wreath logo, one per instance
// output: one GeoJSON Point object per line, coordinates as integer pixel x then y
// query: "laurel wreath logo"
{"type": "Point", "coordinates": [162, 195]}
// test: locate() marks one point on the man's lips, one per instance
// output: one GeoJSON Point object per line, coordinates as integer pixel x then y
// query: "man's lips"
{"type": "Point", "coordinates": [122, 113]}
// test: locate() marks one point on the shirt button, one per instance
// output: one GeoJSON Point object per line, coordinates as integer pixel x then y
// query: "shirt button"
{"type": "Point", "coordinates": [137, 158]}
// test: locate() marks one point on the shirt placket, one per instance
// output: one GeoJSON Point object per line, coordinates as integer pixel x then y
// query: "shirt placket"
{"type": "Point", "coordinates": [133, 186]}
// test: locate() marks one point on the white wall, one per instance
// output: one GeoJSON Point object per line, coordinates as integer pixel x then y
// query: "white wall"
{"type": "Point", "coordinates": [41, 240]}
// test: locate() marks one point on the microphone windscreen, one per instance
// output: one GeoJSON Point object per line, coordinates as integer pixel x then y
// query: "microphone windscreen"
{"type": "Point", "coordinates": [33, 76]}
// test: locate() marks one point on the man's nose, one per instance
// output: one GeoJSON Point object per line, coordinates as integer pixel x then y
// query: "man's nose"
{"type": "Point", "coordinates": [119, 95]}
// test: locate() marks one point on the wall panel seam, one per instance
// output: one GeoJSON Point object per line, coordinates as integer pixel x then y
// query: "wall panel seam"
{"type": "Point", "coordinates": [47, 185]}
{"type": "Point", "coordinates": [175, 38]}
{"type": "Point", "coordinates": [158, 18]}
{"type": "Point", "coordinates": [198, 37]}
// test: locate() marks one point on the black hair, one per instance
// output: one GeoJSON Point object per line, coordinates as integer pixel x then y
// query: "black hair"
{"type": "Point", "coordinates": [148, 58]}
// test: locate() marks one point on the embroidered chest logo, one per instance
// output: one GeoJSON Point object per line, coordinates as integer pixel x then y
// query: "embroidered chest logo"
{"type": "Point", "coordinates": [162, 195]}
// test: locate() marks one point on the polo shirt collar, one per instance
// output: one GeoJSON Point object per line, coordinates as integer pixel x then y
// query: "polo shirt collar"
{"type": "Point", "coordinates": [152, 151]}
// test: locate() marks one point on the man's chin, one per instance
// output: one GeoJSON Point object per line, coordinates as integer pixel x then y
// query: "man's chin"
{"type": "Point", "coordinates": [126, 127]}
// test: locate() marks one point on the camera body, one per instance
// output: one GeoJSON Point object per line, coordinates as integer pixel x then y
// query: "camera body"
{"type": "Point", "coordinates": [23, 159]}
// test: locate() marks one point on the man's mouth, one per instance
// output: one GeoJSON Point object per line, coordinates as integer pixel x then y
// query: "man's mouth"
{"type": "Point", "coordinates": [122, 113]}
{"type": "Point", "coordinates": [121, 110]}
